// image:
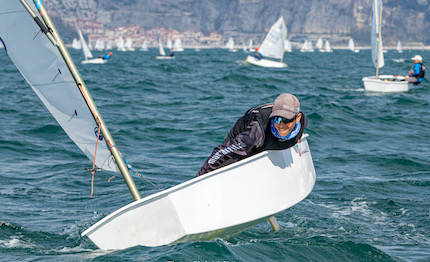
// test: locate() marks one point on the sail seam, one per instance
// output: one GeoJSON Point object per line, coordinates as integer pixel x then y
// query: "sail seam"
{"type": "Point", "coordinates": [13, 12]}
{"type": "Point", "coordinates": [59, 82]}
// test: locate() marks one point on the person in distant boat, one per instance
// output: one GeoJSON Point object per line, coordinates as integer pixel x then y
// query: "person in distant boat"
{"type": "Point", "coordinates": [106, 56]}
{"type": "Point", "coordinates": [257, 54]}
{"type": "Point", "coordinates": [171, 53]}
{"type": "Point", "coordinates": [274, 126]}
{"type": "Point", "coordinates": [416, 75]}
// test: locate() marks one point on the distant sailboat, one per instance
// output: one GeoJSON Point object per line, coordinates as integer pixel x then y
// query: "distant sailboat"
{"type": "Point", "coordinates": [230, 45]}
{"type": "Point", "coordinates": [177, 45]}
{"type": "Point", "coordinates": [381, 83]}
{"type": "Point", "coordinates": [100, 44]}
{"type": "Point", "coordinates": [319, 45]}
{"type": "Point", "coordinates": [120, 44]}
{"type": "Point", "coordinates": [307, 46]}
{"type": "Point", "coordinates": [144, 46]}
{"type": "Point", "coordinates": [169, 43]}
{"type": "Point", "coordinates": [245, 50]}
{"type": "Point", "coordinates": [129, 45]}
{"type": "Point", "coordinates": [250, 46]}
{"type": "Point", "coordinates": [87, 53]}
{"type": "Point", "coordinates": [76, 44]}
{"type": "Point", "coordinates": [109, 45]}
{"type": "Point", "coordinates": [351, 46]}
{"type": "Point", "coordinates": [399, 47]}
{"type": "Point", "coordinates": [272, 47]}
{"type": "Point", "coordinates": [162, 54]}
{"type": "Point", "coordinates": [327, 47]}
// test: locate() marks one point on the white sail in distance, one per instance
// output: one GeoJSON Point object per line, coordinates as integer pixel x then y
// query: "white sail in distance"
{"type": "Point", "coordinates": [169, 43]}
{"type": "Point", "coordinates": [43, 67]}
{"type": "Point", "coordinates": [273, 44]}
{"type": "Point", "coordinates": [376, 36]}
{"type": "Point", "coordinates": [85, 48]}
{"type": "Point", "coordinates": [399, 47]}
{"type": "Point", "coordinates": [351, 45]}
{"type": "Point", "coordinates": [160, 48]}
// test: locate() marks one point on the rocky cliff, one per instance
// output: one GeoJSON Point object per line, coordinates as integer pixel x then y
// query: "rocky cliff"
{"type": "Point", "coordinates": [405, 20]}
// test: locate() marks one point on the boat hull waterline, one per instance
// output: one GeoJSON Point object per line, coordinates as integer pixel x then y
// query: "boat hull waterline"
{"type": "Point", "coordinates": [386, 83]}
{"type": "Point", "coordinates": [94, 61]}
{"type": "Point", "coordinates": [219, 204]}
{"type": "Point", "coordinates": [265, 62]}
{"type": "Point", "coordinates": [164, 57]}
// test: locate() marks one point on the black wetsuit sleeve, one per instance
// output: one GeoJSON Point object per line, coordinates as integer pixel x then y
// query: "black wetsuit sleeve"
{"type": "Point", "coordinates": [234, 149]}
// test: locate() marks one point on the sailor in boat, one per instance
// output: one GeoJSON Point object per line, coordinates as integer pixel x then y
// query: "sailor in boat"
{"type": "Point", "coordinates": [257, 54]}
{"type": "Point", "coordinates": [106, 56]}
{"type": "Point", "coordinates": [171, 53]}
{"type": "Point", "coordinates": [274, 126]}
{"type": "Point", "coordinates": [416, 75]}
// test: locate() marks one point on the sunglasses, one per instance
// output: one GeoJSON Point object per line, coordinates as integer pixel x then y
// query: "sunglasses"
{"type": "Point", "coordinates": [279, 119]}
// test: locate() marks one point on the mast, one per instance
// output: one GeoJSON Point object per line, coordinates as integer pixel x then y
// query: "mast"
{"type": "Point", "coordinates": [378, 28]}
{"type": "Point", "coordinates": [51, 30]}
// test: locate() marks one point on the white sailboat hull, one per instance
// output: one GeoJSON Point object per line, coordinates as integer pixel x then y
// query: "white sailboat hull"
{"type": "Point", "coordinates": [165, 57]}
{"type": "Point", "coordinates": [94, 61]}
{"type": "Point", "coordinates": [218, 204]}
{"type": "Point", "coordinates": [264, 62]}
{"type": "Point", "coordinates": [386, 83]}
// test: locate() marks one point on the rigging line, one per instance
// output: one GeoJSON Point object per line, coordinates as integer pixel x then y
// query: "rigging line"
{"type": "Point", "coordinates": [93, 171]}
{"type": "Point", "coordinates": [138, 175]}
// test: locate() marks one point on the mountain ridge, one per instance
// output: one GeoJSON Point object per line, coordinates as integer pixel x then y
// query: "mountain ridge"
{"type": "Point", "coordinates": [402, 20]}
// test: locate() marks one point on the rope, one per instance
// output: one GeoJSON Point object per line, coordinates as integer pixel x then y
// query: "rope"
{"type": "Point", "coordinates": [138, 175]}
{"type": "Point", "coordinates": [93, 170]}
{"type": "Point", "coordinates": [130, 167]}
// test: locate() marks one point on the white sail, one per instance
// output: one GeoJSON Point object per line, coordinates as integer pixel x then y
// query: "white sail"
{"type": "Point", "coordinates": [319, 43]}
{"type": "Point", "coordinates": [169, 43]}
{"type": "Point", "coordinates": [85, 48]}
{"type": "Point", "coordinates": [49, 77]}
{"type": "Point", "coordinates": [351, 45]}
{"type": "Point", "coordinates": [76, 44]}
{"type": "Point", "coordinates": [230, 44]}
{"type": "Point", "coordinates": [327, 46]}
{"type": "Point", "coordinates": [250, 46]}
{"type": "Point", "coordinates": [177, 45]}
{"type": "Point", "coordinates": [109, 45]}
{"type": "Point", "coordinates": [129, 45]}
{"type": "Point", "coordinates": [273, 44]}
{"type": "Point", "coordinates": [144, 46]}
{"type": "Point", "coordinates": [304, 46]}
{"type": "Point", "coordinates": [160, 48]}
{"type": "Point", "coordinates": [376, 36]}
{"type": "Point", "coordinates": [399, 47]}
{"type": "Point", "coordinates": [100, 44]}
{"type": "Point", "coordinates": [120, 44]}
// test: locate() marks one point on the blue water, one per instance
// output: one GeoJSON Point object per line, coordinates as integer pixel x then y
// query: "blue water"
{"type": "Point", "coordinates": [371, 154]}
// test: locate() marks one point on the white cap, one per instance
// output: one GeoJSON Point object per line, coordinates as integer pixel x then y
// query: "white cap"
{"type": "Point", "coordinates": [418, 58]}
